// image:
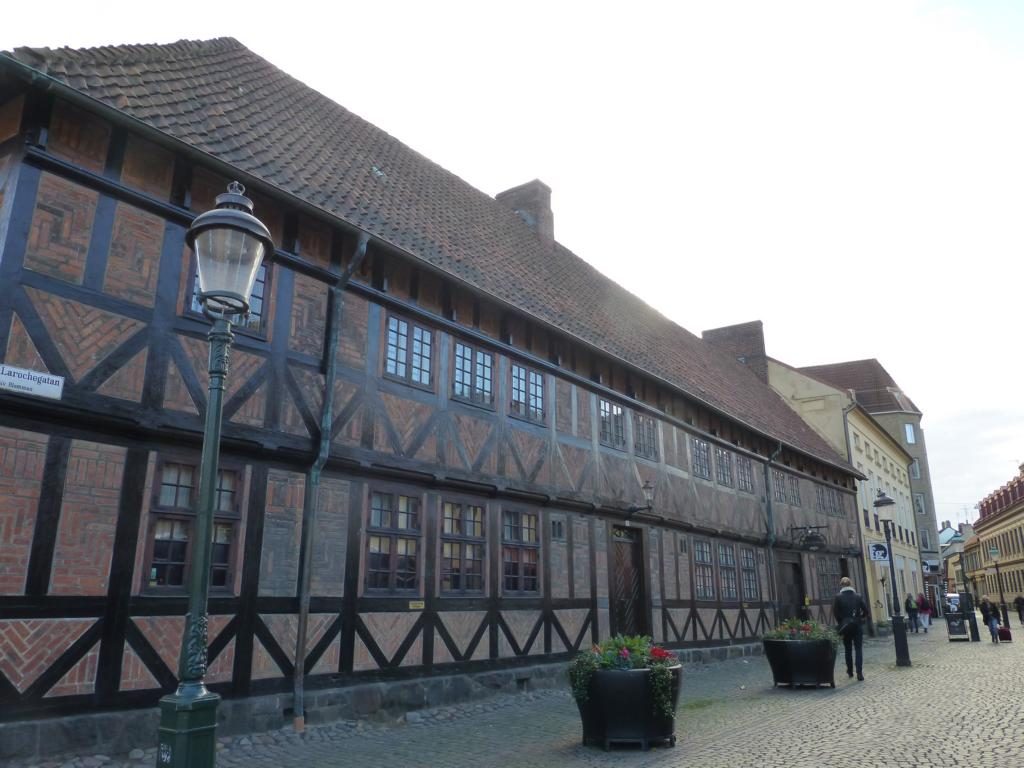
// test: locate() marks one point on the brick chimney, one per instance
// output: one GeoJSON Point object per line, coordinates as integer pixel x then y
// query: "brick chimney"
{"type": "Point", "coordinates": [532, 201]}
{"type": "Point", "coordinates": [745, 342]}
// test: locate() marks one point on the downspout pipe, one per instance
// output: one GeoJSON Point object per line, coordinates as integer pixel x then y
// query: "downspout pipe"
{"type": "Point", "coordinates": [312, 484]}
{"type": "Point", "coordinates": [770, 523]}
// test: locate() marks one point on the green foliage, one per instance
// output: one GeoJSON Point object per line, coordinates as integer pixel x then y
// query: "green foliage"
{"type": "Point", "coordinates": [626, 652]}
{"type": "Point", "coordinates": [798, 629]}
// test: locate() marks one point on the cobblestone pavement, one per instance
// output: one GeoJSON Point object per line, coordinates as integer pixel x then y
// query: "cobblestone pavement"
{"type": "Point", "coordinates": [958, 705]}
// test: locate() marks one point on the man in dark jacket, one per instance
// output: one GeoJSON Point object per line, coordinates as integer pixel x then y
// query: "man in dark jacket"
{"type": "Point", "coordinates": [1018, 603]}
{"type": "Point", "coordinates": [850, 611]}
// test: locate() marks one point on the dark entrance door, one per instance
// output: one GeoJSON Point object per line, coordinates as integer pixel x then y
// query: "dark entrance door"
{"type": "Point", "coordinates": [791, 590]}
{"type": "Point", "coordinates": [627, 599]}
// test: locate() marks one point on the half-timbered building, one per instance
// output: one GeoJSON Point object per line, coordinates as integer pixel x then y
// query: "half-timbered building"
{"type": "Point", "coordinates": [497, 407]}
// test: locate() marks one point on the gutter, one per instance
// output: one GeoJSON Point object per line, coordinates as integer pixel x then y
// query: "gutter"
{"type": "Point", "coordinates": [312, 483]}
{"type": "Point", "coordinates": [860, 532]}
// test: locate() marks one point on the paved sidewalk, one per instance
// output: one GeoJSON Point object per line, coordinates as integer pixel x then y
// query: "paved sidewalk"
{"type": "Point", "coordinates": [958, 705]}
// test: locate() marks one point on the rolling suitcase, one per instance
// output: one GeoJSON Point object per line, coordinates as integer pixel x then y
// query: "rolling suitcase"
{"type": "Point", "coordinates": [1004, 635]}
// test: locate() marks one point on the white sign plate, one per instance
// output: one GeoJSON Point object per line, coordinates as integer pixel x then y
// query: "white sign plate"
{"type": "Point", "coordinates": [879, 553]}
{"type": "Point", "coordinates": [26, 382]}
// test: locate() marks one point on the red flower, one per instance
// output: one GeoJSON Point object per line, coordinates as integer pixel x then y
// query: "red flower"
{"type": "Point", "coordinates": [660, 654]}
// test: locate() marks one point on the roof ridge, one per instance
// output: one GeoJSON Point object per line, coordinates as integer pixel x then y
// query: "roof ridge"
{"type": "Point", "coordinates": [134, 53]}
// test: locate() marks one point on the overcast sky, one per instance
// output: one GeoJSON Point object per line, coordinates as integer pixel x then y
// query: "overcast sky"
{"type": "Point", "coordinates": [851, 174]}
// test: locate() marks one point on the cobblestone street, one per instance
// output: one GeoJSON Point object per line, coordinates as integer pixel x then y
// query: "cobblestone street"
{"type": "Point", "coordinates": [959, 705]}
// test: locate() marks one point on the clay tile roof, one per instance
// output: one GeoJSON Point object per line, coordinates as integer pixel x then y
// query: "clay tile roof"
{"type": "Point", "coordinates": [875, 389]}
{"type": "Point", "coordinates": [224, 100]}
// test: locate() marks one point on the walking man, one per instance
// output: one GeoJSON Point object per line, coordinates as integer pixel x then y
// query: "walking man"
{"type": "Point", "coordinates": [911, 608]}
{"type": "Point", "coordinates": [990, 615]}
{"type": "Point", "coordinates": [850, 611]}
{"type": "Point", "coordinates": [1018, 603]}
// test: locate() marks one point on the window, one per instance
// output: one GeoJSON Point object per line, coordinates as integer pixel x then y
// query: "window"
{"type": "Point", "coordinates": [919, 505]}
{"type": "Point", "coordinates": [645, 437]}
{"type": "Point", "coordinates": [749, 571]}
{"type": "Point", "coordinates": [402, 363]}
{"type": "Point", "coordinates": [557, 530]}
{"type": "Point", "coordinates": [723, 466]}
{"type": "Point", "coordinates": [613, 425]}
{"type": "Point", "coordinates": [828, 576]}
{"type": "Point", "coordinates": [701, 459]}
{"type": "Point", "coordinates": [867, 520]}
{"type": "Point", "coordinates": [473, 379]}
{"type": "Point", "coordinates": [252, 321]}
{"type": "Point", "coordinates": [173, 515]}
{"type": "Point", "coordinates": [794, 491]}
{"type": "Point", "coordinates": [856, 441]}
{"type": "Point", "coordinates": [520, 553]}
{"type": "Point", "coordinates": [462, 548]}
{"type": "Point", "coordinates": [727, 572]}
{"type": "Point", "coordinates": [911, 437]}
{"type": "Point", "coordinates": [779, 483]}
{"type": "Point", "coordinates": [703, 570]}
{"type": "Point", "coordinates": [393, 537]}
{"type": "Point", "coordinates": [744, 474]}
{"type": "Point", "coordinates": [527, 393]}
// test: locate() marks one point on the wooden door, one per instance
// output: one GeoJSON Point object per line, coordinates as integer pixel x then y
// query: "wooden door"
{"type": "Point", "coordinates": [628, 610]}
{"type": "Point", "coordinates": [791, 590]}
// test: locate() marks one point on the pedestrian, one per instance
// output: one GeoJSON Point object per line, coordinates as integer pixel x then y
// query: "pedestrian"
{"type": "Point", "coordinates": [924, 612]}
{"type": "Point", "coordinates": [1018, 603]}
{"type": "Point", "coordinates": [911, 607]}
{"type": "Point", "coordinates": [850, 611]}
{"type": "Point", "coordinates": [990, 615]}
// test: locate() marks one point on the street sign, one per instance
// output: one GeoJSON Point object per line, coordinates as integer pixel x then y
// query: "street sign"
{"type": "Point", "coordinates": [28, 382]}
{"type": "Point", "coordinates": [879, 553]}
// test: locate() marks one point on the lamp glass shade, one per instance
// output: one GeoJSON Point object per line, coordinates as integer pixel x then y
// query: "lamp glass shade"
{"type": "Point", "coordinates": [228, 259]}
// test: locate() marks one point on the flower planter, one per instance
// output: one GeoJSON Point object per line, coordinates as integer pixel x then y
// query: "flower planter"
{"type": "Point", "coordinates": [620, 709]}
{"type": "Point", "coordinates": [801, 662]}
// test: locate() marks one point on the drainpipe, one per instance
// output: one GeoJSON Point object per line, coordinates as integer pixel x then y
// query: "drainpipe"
{"type": "Point", "coordinates": [860, 532]}
{"type": "Point", "coordinates": [313, 482]}
{"type": "Point", "coordinates": [770, 522]}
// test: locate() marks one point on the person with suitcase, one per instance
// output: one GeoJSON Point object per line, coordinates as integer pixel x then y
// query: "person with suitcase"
{"type": "Point", "coordinates": [990, 615]}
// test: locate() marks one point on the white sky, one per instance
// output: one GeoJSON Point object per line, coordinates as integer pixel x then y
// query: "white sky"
{"type": "Point", "coordinates": [852, 174]}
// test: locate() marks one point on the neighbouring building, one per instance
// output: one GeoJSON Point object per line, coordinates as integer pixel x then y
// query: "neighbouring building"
{"type": "Point", "coordinates": [951, 543]}
{"type": "Point", "coordinates": [878, 393]}
{"type": "Point", "coordinates": [853, 432]}
{"type": "Point", "coordinates": [999, 532]}
{"type": "Point", "coordinates": [498, 408]}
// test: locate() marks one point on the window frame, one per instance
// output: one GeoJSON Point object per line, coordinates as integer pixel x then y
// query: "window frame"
{"type": "Point", "coordinates": [611, 419]}
{"type": "Point", "coordinates": [706, 567]}
{"type": "Point", "coordinates": [779, 484]}
{"type": "Point", "coordinates": [393, 532]}
{"type": "Point", "coordinates": [751, 571]}
{"type": "Point", "coordinates": [462, 539]}
{"type": "Point", "coordinates": [723, 467]}
{"type": "Point", "coordinates": [700, 448]}
{"type": "Point", "coordinates": [412, 327]}
{"type": "Point", "coordinates": [524, 409]}
{"type": "Point", "coordinates": [520, 545]}
{"type": "Point", "coordinates": [481, 401]}
{"type": "Point", "coordinates": [192, 293]}
{"type": "Point", "coordinates": [744, 473]}
{"type": "Point", "coordinates": [909, 433]}
{"type": "Point", "coordinates": [159, 512]}
{"type": "Point", "coordinates": [645, 436]}
{"type": "Point", "coordinates": [794, 491]}
{"type": "Point", "coordinates": [727, 566]}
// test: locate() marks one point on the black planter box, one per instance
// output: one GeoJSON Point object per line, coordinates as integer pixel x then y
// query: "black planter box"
{"type": "Point", "coordinates": [620, 709]}
{"type": "Point", "coordinates": [802, 662]}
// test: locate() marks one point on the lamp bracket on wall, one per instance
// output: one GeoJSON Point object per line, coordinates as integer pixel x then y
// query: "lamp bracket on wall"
{"type": "Point", "coordinates": [807, 537]}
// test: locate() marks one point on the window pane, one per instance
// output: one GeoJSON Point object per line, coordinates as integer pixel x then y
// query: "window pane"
{"type": "Point", "coordinates": [408, 513]}
{"type": "Point", "coordinates": [380, 510]}
{"type": "Point", "coordinates": [421, 345]}
{"type": "Point", "coordinates": [398, 345]}
{"type": "Point", "coordinates": [484, 376]}
{"type": "Point", "coordinates": [463, 384]}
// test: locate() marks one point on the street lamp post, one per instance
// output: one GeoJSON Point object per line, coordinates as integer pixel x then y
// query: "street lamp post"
{"type": "Point", "coordinates": [899, 629]}
{"type": "Point", "coordinates": [993, 551]}
{"type": "Point", "coordinates": [229, 243]}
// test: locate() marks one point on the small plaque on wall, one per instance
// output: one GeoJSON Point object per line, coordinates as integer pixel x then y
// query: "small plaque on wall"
{"type": "Point", "coordinates": [417, 605]}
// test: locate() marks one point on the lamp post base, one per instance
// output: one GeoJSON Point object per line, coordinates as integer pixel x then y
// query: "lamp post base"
{"type": "Point", "coordinates": [188, 728]}
{"type": "Point", "coordinates": [899, 637]}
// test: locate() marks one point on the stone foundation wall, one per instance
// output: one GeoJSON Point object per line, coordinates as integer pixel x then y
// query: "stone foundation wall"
{"type": "Point", "coordinates": [121, 731]}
